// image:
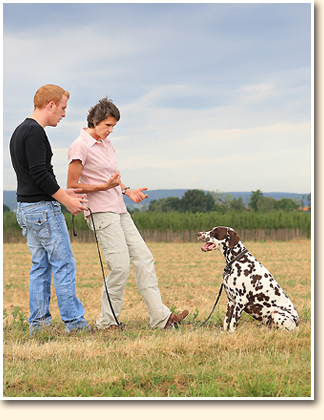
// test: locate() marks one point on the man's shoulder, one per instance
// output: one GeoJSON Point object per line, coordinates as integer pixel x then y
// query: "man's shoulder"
{"type": "Point", "coordinates": [30, 124]}
{"type": "Point", "coordinates": [27, 128]}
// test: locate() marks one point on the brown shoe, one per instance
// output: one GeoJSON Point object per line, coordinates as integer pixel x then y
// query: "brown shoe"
{"type": "Point", "coordinates": [112, 328]}
{"type": "Point", "coordinates": [175, 319]}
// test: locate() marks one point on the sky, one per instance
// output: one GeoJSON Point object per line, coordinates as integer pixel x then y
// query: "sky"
{"type": "Point", "coordinates": [213, 96]}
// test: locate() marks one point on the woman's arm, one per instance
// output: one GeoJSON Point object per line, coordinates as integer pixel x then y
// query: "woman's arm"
{"type": "Point", "coordinates": [74, 172]}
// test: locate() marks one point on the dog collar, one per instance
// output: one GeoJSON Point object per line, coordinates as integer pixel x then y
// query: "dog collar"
{"type": "Point", "coordinates": [228, 265]}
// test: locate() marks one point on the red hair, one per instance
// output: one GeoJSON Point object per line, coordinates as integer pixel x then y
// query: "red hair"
{"type": "Point", "coordinates": [48, 93]}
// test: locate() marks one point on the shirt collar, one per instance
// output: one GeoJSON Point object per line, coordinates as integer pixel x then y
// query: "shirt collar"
{"type": "Point", "coordinates": [90, 140]}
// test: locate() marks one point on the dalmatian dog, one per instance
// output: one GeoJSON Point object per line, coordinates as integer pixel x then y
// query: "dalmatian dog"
{"type": "Point", "coordinates": [249, 286]}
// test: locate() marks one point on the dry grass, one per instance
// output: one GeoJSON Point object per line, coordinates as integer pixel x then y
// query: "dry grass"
{"type": "Point", "coordinates": [141, 362]}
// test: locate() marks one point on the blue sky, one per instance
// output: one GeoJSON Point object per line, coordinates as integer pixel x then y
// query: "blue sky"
{"type": "Point", "coordinates": [214, 96]}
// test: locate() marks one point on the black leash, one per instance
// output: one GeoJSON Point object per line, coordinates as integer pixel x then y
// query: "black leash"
{"type": "Point", "coordinates": [227, 267]}
{"type": "Point", "coordinates": [215, 304]}
{"type": "Point", "coordinates": [120, 325]}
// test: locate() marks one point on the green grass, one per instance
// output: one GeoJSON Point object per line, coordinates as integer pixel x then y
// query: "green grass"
{"type": "Point", "coordinates": [154, 363]}
{"type": "Point", "coordinates": [146, 363]}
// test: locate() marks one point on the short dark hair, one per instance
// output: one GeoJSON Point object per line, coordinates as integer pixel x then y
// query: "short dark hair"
{"type": "Point", "coordinates": [104, 109]}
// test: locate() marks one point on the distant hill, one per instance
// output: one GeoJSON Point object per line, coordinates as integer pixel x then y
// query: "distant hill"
{"type": "Point", "coordinates": [9, 197]}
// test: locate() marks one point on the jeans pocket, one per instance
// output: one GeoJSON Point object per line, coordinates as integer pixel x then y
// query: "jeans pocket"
{"type": "Point", "coordinates": [21, 223]}
{"type": "Point", "coordinates": [38, 223]}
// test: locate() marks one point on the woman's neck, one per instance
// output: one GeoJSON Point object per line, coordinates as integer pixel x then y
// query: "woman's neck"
{"type": "Point", "coordinates": [93, 134]}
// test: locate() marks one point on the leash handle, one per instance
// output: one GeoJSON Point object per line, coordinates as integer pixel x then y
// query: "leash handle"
{"type": "Point", "coordinates": [73, 227]}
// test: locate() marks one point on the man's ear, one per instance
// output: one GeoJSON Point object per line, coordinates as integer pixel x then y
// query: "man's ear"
{"type": "Point", "coordinates": [50, 105]}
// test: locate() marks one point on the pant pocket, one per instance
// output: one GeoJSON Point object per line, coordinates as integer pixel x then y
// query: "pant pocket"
{"type": "Point", "coordinates": [21, 223]}
{"type": "Point", "coordinates": [99, 222]}
{"type": "Point", "coordinates": [38, 223]}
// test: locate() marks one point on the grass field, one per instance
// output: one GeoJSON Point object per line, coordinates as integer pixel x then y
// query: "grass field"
{"type": "Point", "coordinates": [145, 362]}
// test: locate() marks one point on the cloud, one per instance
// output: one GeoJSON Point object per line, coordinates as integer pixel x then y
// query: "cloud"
{"type": "Point", "coordinates": [198, 85]}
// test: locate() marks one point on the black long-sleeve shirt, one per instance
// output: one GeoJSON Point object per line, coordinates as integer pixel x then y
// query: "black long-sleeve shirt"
{"type": "Point", "coordinates": [31, 156]}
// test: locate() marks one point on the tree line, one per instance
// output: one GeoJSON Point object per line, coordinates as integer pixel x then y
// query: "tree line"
{"type": "Point", "coordinates": [197, 201]}
{"type": "Point", "coordinates": [198, 210]}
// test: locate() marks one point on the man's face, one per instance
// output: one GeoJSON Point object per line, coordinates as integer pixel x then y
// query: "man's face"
{"type": "Point", "coordinates": [58, 111]}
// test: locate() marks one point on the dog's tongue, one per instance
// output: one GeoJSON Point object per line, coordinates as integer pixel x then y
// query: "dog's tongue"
{"type": "Point", "coordinates": [208, 247]}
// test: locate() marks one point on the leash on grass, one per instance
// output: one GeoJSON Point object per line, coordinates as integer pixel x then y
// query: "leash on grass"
{"type": "Point", "coordinates": [120, 325]}
{"type": "Point", "coordinates": [215, 304]}
{"type": "Point", "coordinates": [226, 268]}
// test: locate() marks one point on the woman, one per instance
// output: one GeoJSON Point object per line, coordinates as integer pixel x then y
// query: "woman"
{"type": "Point", "coordinates": [93, 168]}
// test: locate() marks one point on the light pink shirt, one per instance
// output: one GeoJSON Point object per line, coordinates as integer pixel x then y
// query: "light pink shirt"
{"type": "Point", "coordinates": [98, 164]}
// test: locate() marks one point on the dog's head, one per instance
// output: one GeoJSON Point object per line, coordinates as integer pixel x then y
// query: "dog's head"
{"type": "Point", "coordinates": [218, 236]}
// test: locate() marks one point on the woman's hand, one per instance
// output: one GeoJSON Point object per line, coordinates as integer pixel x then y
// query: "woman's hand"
{"type": "Point", "coordinates": [137, 195]}
{"type": "Point", "coordinates": [112, 182]}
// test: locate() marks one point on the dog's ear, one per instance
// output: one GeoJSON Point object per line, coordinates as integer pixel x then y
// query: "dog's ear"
{"type": "Point", "coordinates": [233, 238]}
{"type": "Point", "coordinates": [219, 233]}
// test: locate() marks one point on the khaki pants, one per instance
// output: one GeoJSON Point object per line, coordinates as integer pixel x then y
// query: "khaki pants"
{"type": "Point", "coordinates": [121, 243]}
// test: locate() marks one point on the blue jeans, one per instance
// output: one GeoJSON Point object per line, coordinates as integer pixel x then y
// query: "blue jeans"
{"type": "Point", "coordinates": [44, 227]}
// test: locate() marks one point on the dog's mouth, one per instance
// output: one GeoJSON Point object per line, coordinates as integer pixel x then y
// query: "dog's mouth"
{"type": "Point", "coordinates": [209, 246]}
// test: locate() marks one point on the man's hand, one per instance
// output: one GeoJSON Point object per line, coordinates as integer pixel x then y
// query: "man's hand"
{"type": "Point", "coordinates": [71, 200]}
{"type": "Point", "coordinates": [74, 205]}
{"type": "Point", "coordinates": [137, 195]}
{"type": "Point", "coordinates": [74, 193]}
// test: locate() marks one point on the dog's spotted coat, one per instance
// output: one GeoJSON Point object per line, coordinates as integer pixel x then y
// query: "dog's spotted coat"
{"type": "Point", "coordinates": [249, 286]}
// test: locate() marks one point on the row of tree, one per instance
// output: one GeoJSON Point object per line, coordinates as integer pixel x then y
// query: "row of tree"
{"type": "Point", "coordinates": [195, 201]}
{"type": "Point", "coordinates": [197, 210]}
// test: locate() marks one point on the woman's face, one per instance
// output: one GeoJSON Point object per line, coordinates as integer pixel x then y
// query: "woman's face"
{"type": "Point", "coordinates": [104, 128]}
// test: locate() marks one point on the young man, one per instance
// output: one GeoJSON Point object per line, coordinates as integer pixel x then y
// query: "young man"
{"type": "Point", "coordinates": [40, 217]}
